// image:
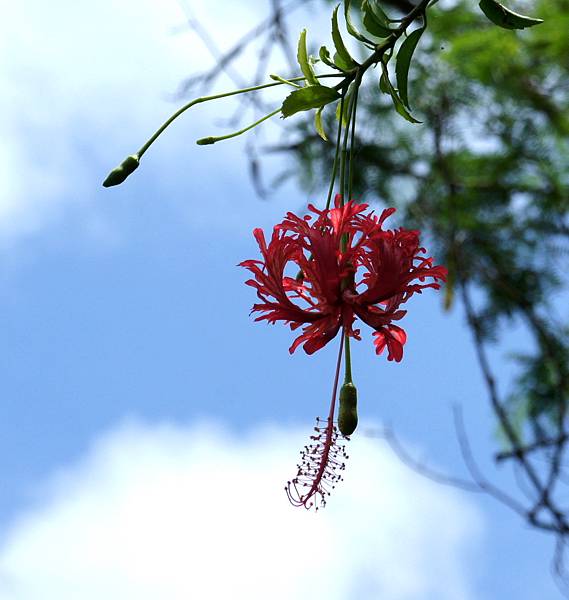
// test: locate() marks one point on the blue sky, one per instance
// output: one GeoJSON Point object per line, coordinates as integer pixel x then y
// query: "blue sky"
{"type": "Point", "coordinates": [147, 425]}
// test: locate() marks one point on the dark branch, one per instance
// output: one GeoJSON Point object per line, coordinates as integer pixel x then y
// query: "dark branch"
{"type": "Point", "coordinates": [524, 450]}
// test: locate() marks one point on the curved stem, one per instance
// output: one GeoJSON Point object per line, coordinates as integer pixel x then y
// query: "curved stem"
{"type": "Point", "coordinates": [212, 140]}
{"type": "Point", "coordinates": [371, 60]}
{"type": "Point", "coordinates": [202, 99]}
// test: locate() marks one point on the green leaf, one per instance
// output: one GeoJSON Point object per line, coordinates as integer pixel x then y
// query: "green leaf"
{"type": "Point", "coordinates": [374, 23]}
{"type": "Point", "coordinates": [325, 57]}
{"type": "Point", "coordinates": [302, 56]}
{"type": "Point", "coordinates": [341, 63]}
{"type": "Point", "coordinates": [378, 13]}
{"type": "Point", "coordinates": [312, 96]}
{"type": "Point", "coordinates": [506, 18]}
{"type": "Point", "coordinates": [387, 87]}
{"type": "Point", "coordinates": [341, 50]}
{"type": "Point", "coordinates": [383, 85]}
{"type": "Point", "coordinates": [403, 62]}
{"type": "Point", "coordinates": [352, 29]}
{"type": "Point", "coordinates": [318, 124]}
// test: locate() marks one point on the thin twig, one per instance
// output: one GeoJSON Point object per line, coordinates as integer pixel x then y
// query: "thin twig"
{"type": "Point", "coordinates": [475, 471]}
{"type": "Point", "coordinates": [416, 465]}
{"type": "Point", "coordinates": [499, 410]}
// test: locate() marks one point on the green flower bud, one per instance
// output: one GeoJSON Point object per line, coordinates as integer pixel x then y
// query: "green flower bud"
{"type": "Point", "coordinates": [118, 175]}
{"type": "Point", "coordinates": [206, 141]}
{"type": "Point", "coordinates": [348, 412]}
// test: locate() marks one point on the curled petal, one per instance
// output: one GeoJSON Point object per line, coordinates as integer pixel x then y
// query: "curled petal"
{"type": "Point", "coordinates": [394, 338]}
{"type": "Point", "coordinates": [318, 334]}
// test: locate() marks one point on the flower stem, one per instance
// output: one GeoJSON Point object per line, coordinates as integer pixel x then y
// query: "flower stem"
{"type": "Point", "coordinates": [120, 173]}
{"type": "Point", "coordinates": [317, 471]}
{"type": "Point", "coordinates": [345, 240]}
{"type": "Point", "coordinates": [335, 388]}
{"type": "Point", "coordinates": [202, 99]}
{"type": "Point", "coordinates": [344, 148]}
{"type": "Point", "coordinates": [352, 144]}
{"type": "Point", "coordinates": [212, 140]}
{"type": "Point", "coordinates": [352, 125]}
{"type": "Point", "coordinates": [336, 156]}
{"type": "Point", "coordinates": [348, 361]}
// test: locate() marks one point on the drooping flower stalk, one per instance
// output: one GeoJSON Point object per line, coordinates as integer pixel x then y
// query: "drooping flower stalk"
{"type": "Point", "coordinates": [119, 174]}
{"type": "Point", "coordinates": [322, 460]}
{"type": "Point", "coordinates": [348, 267]}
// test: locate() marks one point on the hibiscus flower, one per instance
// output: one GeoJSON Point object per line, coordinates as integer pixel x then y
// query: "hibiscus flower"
{"type": "Point", "coordinates": [348, 268]}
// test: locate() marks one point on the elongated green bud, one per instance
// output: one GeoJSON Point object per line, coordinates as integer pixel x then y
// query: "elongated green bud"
{"type": "Point", "coordinates": [348, 411]}
{"type": "Point", "coordinates": [118, 175]}
{"type": "Point", "coordinates": [283, 80]}
{"type": "Point", "coordinates": [206, 141]}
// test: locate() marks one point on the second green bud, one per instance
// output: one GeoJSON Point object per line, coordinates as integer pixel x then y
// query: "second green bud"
{"type": "Point", "coordinates": [120, 173]}
{"type": "Point", "coordinates": [348, 411]}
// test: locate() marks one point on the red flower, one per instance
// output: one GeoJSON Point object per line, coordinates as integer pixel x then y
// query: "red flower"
{"type": "Point", "coordinates": [350, 267]}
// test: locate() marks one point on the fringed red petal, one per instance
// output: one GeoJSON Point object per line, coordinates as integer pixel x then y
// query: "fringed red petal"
{"type": "Point", "coordinates": [349, 267]}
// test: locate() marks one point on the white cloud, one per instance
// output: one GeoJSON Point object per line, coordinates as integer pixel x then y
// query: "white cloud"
{"type": "Point", "coordinates": [83, 85]}
{"type": "Point", "coordinates": [167, 512]}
